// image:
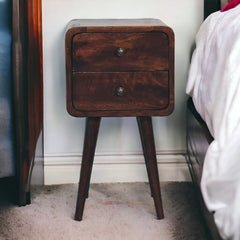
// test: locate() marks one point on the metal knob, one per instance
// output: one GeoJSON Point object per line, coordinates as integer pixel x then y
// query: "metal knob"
{"type": "Point", "coordinates": [120, 91]}
{"type": "Point", "coordinates": [120, 52]}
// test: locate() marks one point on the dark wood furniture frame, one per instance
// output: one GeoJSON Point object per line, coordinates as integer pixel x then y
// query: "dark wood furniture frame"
{"type": "Point", "coordinates": [119, 68]}
{"type": "Point", "coordinates": [27, 90]}
{"type": "Point", "coordinates": [198, 140]}
{"type": "Point", "coordinates": [211, 6]}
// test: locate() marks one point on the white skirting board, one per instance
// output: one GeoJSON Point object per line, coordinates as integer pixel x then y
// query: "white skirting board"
{"type": "Point", "coordinates": [112, 167]}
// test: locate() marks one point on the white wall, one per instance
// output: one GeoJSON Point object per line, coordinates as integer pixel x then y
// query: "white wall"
{"type": "Point", "coordinates": [63, 134]}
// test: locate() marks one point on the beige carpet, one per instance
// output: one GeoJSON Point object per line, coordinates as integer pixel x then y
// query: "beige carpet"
{"type": "Point", "coordinates": [112, 212]}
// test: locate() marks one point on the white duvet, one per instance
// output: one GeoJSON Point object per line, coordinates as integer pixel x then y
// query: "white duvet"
{"type": "Point", "coordinates": [214, 84]}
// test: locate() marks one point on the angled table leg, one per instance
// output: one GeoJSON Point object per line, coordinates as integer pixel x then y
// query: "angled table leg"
{"type": "Point", "coordinates": [90, 141]}
{"type": "Point", "coordinates": [147, 138]}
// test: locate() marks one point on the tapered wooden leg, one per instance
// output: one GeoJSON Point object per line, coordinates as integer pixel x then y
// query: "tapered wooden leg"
{"type": "Point", "coordinates": [147, 138]}
{"type": "Point", "coordinates": [90, 141]}
{"type": "Point", "coordinates": [146, 159]}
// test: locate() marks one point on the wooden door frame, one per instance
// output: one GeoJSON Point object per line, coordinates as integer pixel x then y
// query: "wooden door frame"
{"type": "Point", "coordinates": [27, 89]}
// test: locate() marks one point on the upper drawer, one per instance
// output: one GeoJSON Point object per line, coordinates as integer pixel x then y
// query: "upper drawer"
{"type": "Point", "coordinates": [109, 52]}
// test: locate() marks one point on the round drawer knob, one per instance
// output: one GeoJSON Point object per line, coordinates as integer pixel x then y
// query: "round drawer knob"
{"type": "Point", "coordinates": [120, 91]}
{"type": "Point", "coordinates": [120, 52]}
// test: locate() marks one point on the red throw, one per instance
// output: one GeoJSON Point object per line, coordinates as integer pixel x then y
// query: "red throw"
{"type": "Point", "coordinates": [231, 5]}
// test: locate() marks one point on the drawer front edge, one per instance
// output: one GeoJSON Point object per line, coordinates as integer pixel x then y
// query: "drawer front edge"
{"type": "Point", "coordinates": [97, 94]}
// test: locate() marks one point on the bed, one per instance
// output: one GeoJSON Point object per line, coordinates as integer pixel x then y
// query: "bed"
{"type": "Point", "coordinates": [213, 118]}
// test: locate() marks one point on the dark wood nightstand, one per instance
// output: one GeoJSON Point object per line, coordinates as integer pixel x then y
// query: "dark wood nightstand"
{"type": "Point", "coordinates": [121, 68]}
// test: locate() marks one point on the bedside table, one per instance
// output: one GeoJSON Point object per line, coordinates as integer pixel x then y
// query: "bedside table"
{"type": "Point", "coordinates": [120, 68]}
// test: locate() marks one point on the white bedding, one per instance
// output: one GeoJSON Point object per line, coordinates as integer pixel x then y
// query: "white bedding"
{"type": "Point", "coordinates": [214, 84]}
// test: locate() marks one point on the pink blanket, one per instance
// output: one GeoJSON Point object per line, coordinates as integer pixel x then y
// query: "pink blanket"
{"type": "Point", "coordinates": [230, 5]}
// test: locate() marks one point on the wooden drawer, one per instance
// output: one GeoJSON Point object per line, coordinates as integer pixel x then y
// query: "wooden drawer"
{"type": "Point", "coordinates": [120, 52]}
{"type": "Point", "coordinates": [115, 91]}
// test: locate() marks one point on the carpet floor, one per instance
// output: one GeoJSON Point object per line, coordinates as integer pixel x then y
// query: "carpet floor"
{"type": "Point", "coordinates": [119, 211]}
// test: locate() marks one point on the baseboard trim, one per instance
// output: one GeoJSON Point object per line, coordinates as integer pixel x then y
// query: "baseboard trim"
{"type": "Point", "coordinates": [112, 167]}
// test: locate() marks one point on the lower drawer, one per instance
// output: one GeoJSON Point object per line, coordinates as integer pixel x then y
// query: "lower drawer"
{"type": "Point", "coordinates": [118, 94]}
